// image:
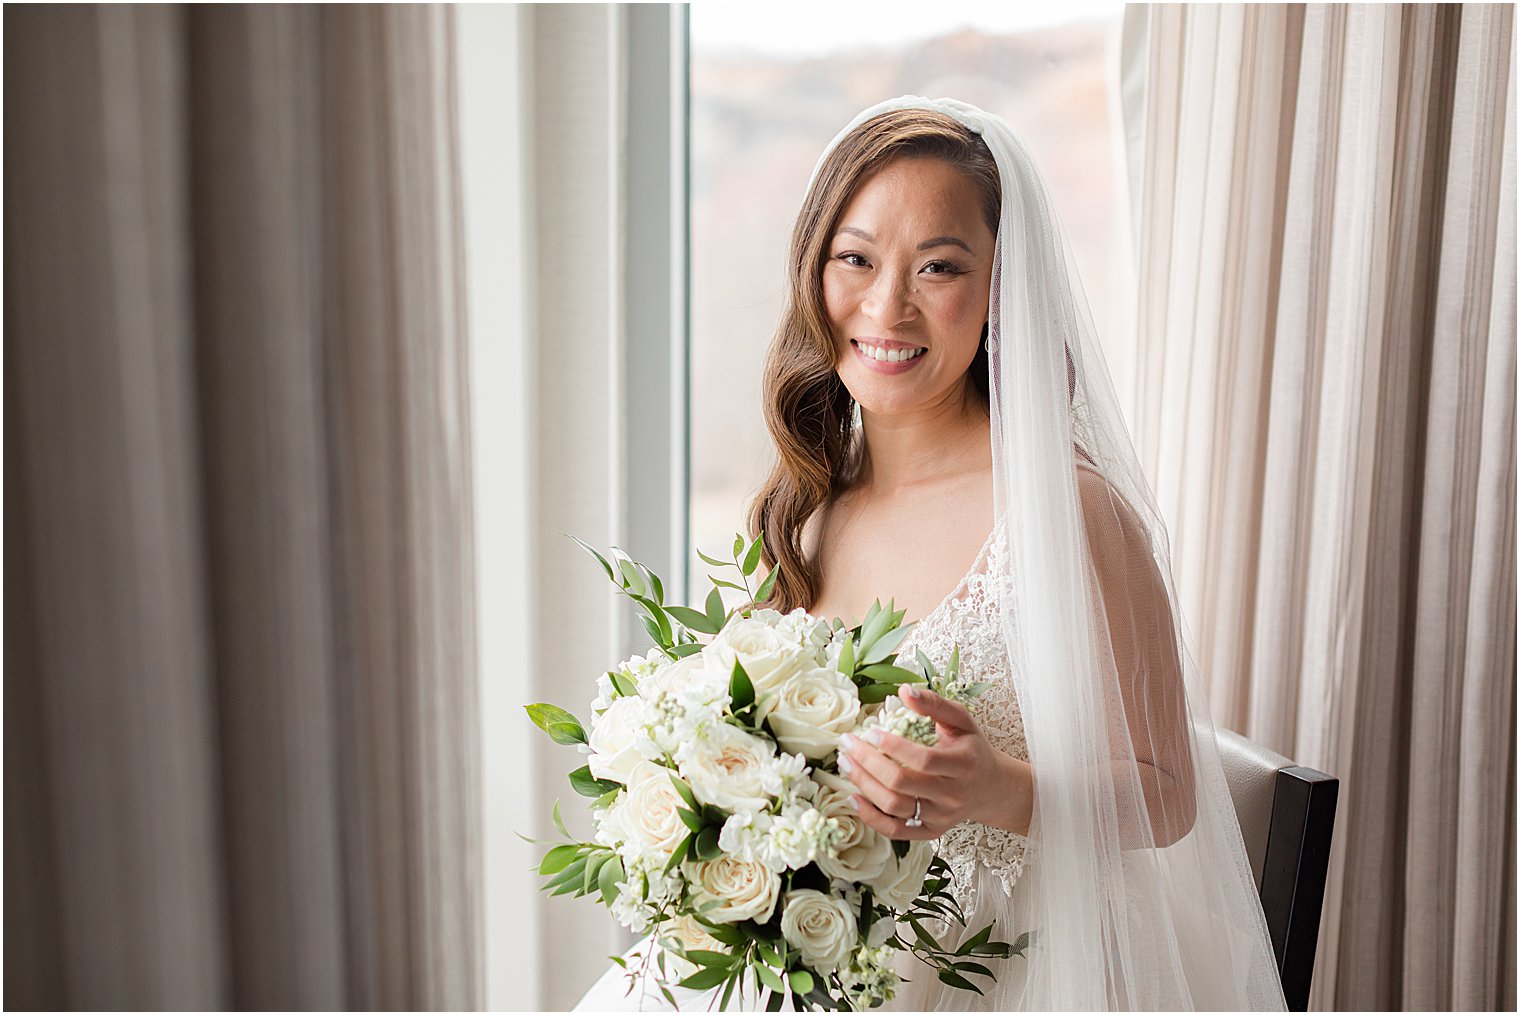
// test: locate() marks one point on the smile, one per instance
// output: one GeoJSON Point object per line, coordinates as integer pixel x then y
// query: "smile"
{"type": "Point", "coordinates": [888, 360]}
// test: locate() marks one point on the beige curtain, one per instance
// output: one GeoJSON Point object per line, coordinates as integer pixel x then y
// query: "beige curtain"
{"type": "Point", "coordinates": [240, 750]}
{"type": "Point", "coordinates": [1326, 399]}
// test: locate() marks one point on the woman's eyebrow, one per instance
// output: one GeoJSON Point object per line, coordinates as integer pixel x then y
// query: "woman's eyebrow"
{"type": "Point", "coordinates": [946, 241]}
{"type": "Point", "coordinates": [938, 241]}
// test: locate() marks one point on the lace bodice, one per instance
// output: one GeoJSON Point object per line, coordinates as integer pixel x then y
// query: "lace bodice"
{"type": "Point", "coordinates": [970, 617]}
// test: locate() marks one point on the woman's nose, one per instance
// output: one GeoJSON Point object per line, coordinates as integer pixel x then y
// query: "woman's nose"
{"type": "Point", "coordinates": [889, 301]}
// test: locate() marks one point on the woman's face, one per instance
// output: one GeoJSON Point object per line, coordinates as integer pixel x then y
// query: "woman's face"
{"type": "Point", "coordinates": [906, 285]}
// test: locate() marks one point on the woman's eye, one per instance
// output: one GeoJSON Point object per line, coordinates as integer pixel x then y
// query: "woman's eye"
{"type": "Point", "coordinates": [944, 268]}
{"type": "Point", "coordinates": [853, 259]}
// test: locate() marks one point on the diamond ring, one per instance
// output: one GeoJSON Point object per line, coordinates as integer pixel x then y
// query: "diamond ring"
{"type": "Point", "coordinates": [917, 820]}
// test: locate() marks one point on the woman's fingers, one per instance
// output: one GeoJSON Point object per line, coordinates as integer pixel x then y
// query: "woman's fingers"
{"type": "Point", "coordinates": [887, 784]}
{"type": "Point", "coordinates": [886, 824]}
{"type": "Point", "coordinates": [942, 710]}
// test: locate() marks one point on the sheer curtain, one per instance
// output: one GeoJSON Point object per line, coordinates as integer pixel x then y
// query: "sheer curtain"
{"type": "Point", "coordinates": [241, 759]}
{"type": "Point", "coordinates": [1326, 401]}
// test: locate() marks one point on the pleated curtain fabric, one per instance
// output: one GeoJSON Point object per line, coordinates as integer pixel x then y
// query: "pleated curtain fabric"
{"type": "Point", "coordinates": [240, 753]}
{"type": "Point", "coordinates": [1326, 400]}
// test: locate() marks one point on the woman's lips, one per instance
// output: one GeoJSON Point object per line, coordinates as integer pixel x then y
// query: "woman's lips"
{"type": "Point", "coordinates": [886, 366]}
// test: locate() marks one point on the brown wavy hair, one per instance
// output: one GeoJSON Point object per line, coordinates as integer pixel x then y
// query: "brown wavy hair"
{"type": "Point", "coordinates": [808, 410]}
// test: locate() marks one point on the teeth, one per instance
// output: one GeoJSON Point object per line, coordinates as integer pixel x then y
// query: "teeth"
{"type": "Point", "coordinates": [876, 352]}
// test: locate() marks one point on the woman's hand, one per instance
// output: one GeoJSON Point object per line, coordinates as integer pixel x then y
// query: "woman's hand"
{"type": "Point", "coordinates": [961, 777]}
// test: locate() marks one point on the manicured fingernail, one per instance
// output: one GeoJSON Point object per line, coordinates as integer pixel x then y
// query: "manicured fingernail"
{"type": "Point", "coordinates": [848, 742]}
{"type": "Point", "coordinates": [872, 737]}
{"type": "Point", "coordinates": [845, 764]}
{"type": "Point", "coordinates": [908, 691]}
{"type": "Point", "coordinates": [854, 802]}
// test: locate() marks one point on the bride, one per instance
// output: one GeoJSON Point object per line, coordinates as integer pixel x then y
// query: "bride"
{"type": "Point", "coordinates": [947, 435]}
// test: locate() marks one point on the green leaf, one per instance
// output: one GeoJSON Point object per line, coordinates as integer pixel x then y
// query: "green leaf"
{"type": "Point", "coordinates": [654, 583]}
{"type": "Point", "coordinates": [752, 558]}
{"type": "Point", "coordinates": [695, 620]}
{"type": "Point", "coordinates": [679, 854]}
{"type": "Point", "coordinates": [847, 657]}
{"type": "Point", "coordinates": [725, 932]}
{"type": "Point", "coordinates": [883, 646]}
{"type": "Point", "coordinates": [705, 979]}
{"type": "Point", "coordinates": [924, 937]}
{"type": "Point", "coordinates": [764, 592]}
{"type": "Point", "coordinates": [690, 819]}
{"type": "Point", "coordinates": [979, 938]}
{"type": "Point", "coordinates": [606, 800]}
{"type": "Point", "coordinates": [561, 726]}
{"type": "Point", "coordinates": [557, 859]}
{"type": "Point", "coordinates": [684, 790]}
{"type": "Point", "coordinates": [715, 563]}
{"type": "Point", "coordinates": [599, 558]}
{"type": "Point", "coordinates": [955, 979]}
{"type": "Point", "coordinates": [769, 978]}
{"type": "Point", "coordinates": [773, 1001]}
{"type": "Point", "coordinates": [652, 628]}
{"type": "Point", "coordinates": [802, 981]}
{"type": "Point", "coordinates": [593, 869]}
{"type": "Point", "coordinates": [707, 844]}
{"type": "Point", "coordinates": [873, 628]}
{"type": "Point", "coordinates": [769, 954]}
{"type": "Point", "coordinates": [623, 684]}
{"type": "Point", "coordinates": [569, 875]}
{"type": "Point", "coordinates": [900, 848]}
{"type": "Point", "coordinates": [975, 968]}
{"type": "Point", "coordinates": [559, 822]}
{"type": "Point", "coordinates": [888, 674]}
{"type": "Point", "coordinates": [1022, 942]}
{"type": "Point", "coordinates": [715, 611]}
{"type": "Point", "coordinates": [727, 585]}
{"type": "Point", "coordinates": [608, 879]}
{"type": "Point", "coordinates": [632, 579]}
{"type": "Point", "coordinates": [738, 546]}
{"type": "Point", "coordinates": [740, 690]}
{"type": "Point", "coordinates": [682, 651]}
{"type": "Point", "coordinates": [874, 694]}
{"type": "Point", "coordinates": [587, 784]}
{"type": "Point", "coordinates": [702, 957]}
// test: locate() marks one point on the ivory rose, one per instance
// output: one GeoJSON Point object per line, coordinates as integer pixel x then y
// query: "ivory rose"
{"type": "Point", "coordinates": [811, 710]}
{"type": "Point", "coordinates": [819, 926]}
{"type": "Point", "coordinates": [861, 852]}
{"type": "Point", "coordinates": [744, 889]}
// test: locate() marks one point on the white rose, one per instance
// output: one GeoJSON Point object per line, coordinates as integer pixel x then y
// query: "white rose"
{"type": "Point", "coordinates": [812, 709]}
{"type": "Point", "coordinates": [902, 880]}
{"type": "Point", "coordinates": [614, 739]}
{"type": "Point", "coordinates": [821, 927]}
{"type": "Point", "coordinates": [861, 852]}
{"type": "Point", "coordinates": [767, 655]}
{"type": "Point", "coordinates": [646, 814]}
{"type": "Point", "coordinates": [743, 889]}
{"type": "Point", "coordinates": [728, 768]}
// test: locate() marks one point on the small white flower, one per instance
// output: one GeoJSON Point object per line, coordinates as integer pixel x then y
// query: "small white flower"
{"type": "Point", "coordinates": [821, 927]}
{"type": "Point", "coordinates": [812, 709]}
{"type": "Point", "coordinates": [895, 717]}
{"type": "Point", "coordinates": [800, 835]}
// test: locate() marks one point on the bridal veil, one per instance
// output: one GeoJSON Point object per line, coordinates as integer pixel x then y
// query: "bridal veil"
{"type": "Point", "coordinates": [1144, 899]}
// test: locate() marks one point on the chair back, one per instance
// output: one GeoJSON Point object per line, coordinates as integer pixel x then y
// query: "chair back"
{"type": "Point", "coordinates": [1286, 814]}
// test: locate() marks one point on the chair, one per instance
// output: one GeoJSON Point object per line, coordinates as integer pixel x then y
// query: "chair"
{"type": "Point", "coordinates": [1286, 814]}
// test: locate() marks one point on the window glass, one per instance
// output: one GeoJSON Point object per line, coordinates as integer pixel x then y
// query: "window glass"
{"type": "Point", "coordinates": [770, 86]}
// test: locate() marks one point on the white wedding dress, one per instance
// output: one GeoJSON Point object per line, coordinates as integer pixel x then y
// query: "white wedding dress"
{"type": "Point", "coordinates": [983, 860]}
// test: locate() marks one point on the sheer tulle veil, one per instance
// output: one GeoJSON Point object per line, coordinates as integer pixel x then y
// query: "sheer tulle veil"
{"type": "Point", "coordinates": [1144, 897]}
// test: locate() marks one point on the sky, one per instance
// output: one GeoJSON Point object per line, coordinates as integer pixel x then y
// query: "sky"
{"type": "Point", "coordinates": [822, 26]}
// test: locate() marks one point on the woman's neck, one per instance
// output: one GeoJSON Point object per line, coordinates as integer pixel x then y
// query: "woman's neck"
{"type": "Point", "coordinates": [922, 447]}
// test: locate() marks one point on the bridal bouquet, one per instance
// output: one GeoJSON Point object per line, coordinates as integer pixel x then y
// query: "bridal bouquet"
{"type": "Point", "coordinates": [722, 824]}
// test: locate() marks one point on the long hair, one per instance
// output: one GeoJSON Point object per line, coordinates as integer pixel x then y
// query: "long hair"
{"type": "Point", "coordinates": [807, 409]}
